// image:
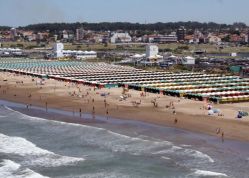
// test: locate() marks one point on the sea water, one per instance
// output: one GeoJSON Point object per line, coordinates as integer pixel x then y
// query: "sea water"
{"type": "Point", "coordinates": [33, 147]}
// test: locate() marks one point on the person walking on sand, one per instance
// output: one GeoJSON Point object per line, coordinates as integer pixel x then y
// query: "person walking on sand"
{"type": "Point", "coordinates": [107, 113]}
{"type": "Point", "coordinates": [222, 137]}
{"type": "Point", "coordinates": [46, 104]}
{"type": "Point", "coordinates": [80, 112]}
{"type": "Point", "coordinates": [175, 121]}
{"type": "Point", "coordinates": [93, 112]}
{"type": "Point", "coordinates": [105, 103]}
{"type": "Point", "coordinates": [218, 131]}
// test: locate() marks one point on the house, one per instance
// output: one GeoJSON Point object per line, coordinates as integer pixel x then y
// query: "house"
{"type": "Point", "coordinates": [121, 38]}
{"type": "Point", "coordinates": [236, 38]}
{"type": "Point", "coordinates": [214, 39]}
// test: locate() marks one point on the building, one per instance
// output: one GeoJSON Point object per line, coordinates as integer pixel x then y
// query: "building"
{"type": "Point", "coordinates": [79, 34]}
{"type": "Point", "coordinates": [181, 34]}
{"type": "Point", "coordinates": [165, 39]}
{"type": "Point", "coordinates": [198, 37]}
{"type": "Point", "coordinates": [248, 37]}
{"type": "Point", "coordinates": [121, 38]}
{"type": "Point", "coordinates": [13, 33]}
{"type": "Point", "coordinates": [80, 54]}
{"type": "Point", "coordinates": [188, 60]}
{"type": "Point", "coordinates": [10, 52]}
{"type": "Point", "coordinates": [58, 50]}
{"type": "Point", "coordinates": [65, 35]}
{"type": "Point", "coordinates": [152, 52]}
{"type": "Point", "coordinates": [214, 39]}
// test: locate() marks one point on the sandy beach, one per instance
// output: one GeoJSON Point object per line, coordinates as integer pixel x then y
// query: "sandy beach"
{"type": "Point", "coordinates": [185, 114]}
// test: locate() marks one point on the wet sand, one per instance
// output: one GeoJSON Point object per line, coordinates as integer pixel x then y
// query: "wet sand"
{"type": "Point", "coordinates": [189, 114]}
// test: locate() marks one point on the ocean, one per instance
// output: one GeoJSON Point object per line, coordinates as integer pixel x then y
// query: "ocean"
{"type": "Point", "coordinates": [33, 147]}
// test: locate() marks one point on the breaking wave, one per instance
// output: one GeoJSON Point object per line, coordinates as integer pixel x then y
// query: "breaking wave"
{"type": "Point", "coordinates": [32, 154]}
{"type": "Point", "coordinates": [209, 173]}
{"type": "Point", "coordinates": [10, 169]}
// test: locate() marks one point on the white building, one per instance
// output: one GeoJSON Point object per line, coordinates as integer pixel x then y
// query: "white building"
{"type": "Point", "coordinates": [10, 51]}
{"type": "Point", "coordinates": [121, 38]}
{"type": "Point", "coordinates": [80, 54]}
{"type": "Point", "coordinates": [65, 34]}
{"type": "Point", "coordinates": [13, 33]}
{"type": "Point", "coordinates": [152, 52]}
{"type": "Point", "coordinates": [188, 60]}
{"type": "Point", "coordinates": [214, 39]}
{"type": "Point", "coordinates": [58, 50]}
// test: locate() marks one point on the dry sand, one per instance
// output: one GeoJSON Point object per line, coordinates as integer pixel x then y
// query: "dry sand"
{"type": "Point", "coordinates": [190, 114]}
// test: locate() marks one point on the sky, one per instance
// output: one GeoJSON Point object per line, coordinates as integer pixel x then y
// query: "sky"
{"type": "Point", "coordinates": [23, 12]}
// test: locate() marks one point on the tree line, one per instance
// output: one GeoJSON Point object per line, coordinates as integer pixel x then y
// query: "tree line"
{"type": "Point", "coordinates": [126, 26]}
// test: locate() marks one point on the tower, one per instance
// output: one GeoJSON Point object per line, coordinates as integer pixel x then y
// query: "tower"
{"type": "Point", "coordinates": [181, 34]}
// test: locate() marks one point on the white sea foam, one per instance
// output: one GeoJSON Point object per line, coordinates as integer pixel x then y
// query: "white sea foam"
{"type": "Point", "coordinates": [185, 146]}
{"type": "Point", "coordinates": [186, 152]}
{"type": "Point", "coordinates": [32, 154]}
{"type": "Point", "coordinates": [103, 175]}
{"type": "Point", "coordinates": [166, 158]}
{"type": "Point", "coordinates": [198, 154]}
{"type": "Point", "coordinates": [209, 173]}
{"type": "Point", "coordinates": [10, 169]}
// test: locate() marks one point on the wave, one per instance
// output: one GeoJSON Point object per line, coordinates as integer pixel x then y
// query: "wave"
{"type": "Point", "coordinates": [32, 154]}
{"type": "Point", "coordinates": [10, 169]}
{"type": "Point", "coordinates": [166, 158]}
{"type": "Point", "coordinates": [106, 139]}
{"type": "Point", "coordinates": [186, 152]}
{"type": "Point", "coordinates": [209, 173]}
{"type": "Point", "coordinates": [103, 175]}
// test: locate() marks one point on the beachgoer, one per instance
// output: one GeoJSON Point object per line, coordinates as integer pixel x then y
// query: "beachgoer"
{"type": "Point", "coordinates": [175, 121]}
{"type": "Point", "coordinates": [222, 137]}
{"type": "Point", "coordinates": [46, 106]}
{"type": "Point", "coordinates": [218, 131]}
{"type": "Point", "coordinates": [93, 110]}
{"type": "Point", "coordinates": [107, 112]}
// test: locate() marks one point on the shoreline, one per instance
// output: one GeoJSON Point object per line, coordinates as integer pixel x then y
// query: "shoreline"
{"type": "Point", "coordinates": [58, 95]}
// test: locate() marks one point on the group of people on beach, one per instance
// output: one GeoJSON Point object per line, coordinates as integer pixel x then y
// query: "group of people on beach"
{"type": "Point", "coordinates": [90, 99]}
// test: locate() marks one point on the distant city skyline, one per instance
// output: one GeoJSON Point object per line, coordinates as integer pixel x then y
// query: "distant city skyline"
{"type": "Point", "coordinates": [24, 12]}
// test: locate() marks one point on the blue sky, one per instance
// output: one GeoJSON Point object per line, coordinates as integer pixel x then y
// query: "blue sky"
{"type": "Point", "coordinates": [23, 12]}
